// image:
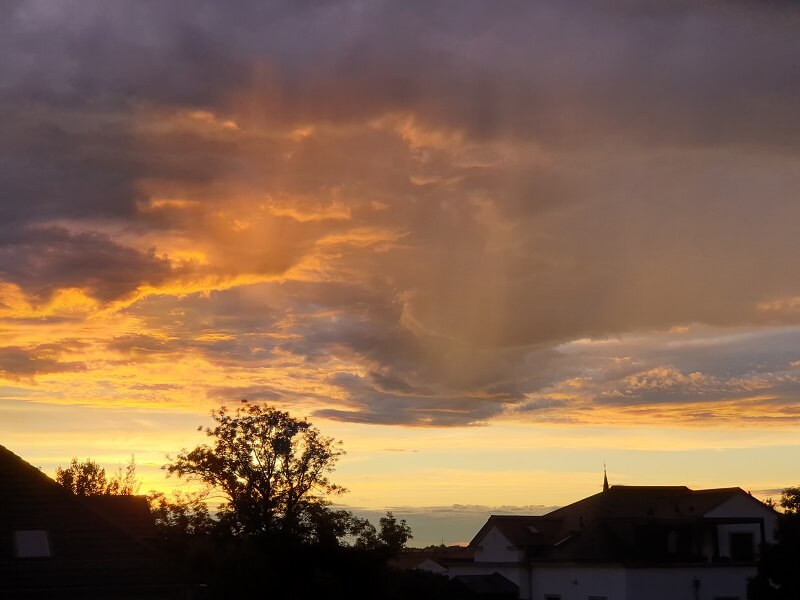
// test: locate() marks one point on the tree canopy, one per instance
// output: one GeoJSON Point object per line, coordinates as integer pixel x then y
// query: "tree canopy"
{"type": "Point", "coordinates": [271, 468]}
{"type": "Point", "coordinates": [790, 500]}
{"type": "Point", "coordinates": [276, 522]}
{"type": "Point", "coordinates": [391, 539]}
{"type": "Point", "coordinates": [88, 478]}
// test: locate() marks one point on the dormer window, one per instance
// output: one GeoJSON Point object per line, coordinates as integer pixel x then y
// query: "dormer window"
{"type": "Point", "coordinates": [32, 543]}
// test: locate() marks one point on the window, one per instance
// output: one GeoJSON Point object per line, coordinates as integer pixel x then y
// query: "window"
{"type": "Point", "coordinates": [598, 597]}
{"type": "Point", "coordinates": [31, 543]}
{"type": "Point", "coordinates": [742, 546]}
{"type": "Point", "coordinates": [552, 597]}
{"type": "Point", "coordinates": [672, 542]}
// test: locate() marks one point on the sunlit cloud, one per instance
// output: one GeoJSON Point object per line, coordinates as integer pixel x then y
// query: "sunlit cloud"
{"type": "Point", "coordinates": [530, 216]}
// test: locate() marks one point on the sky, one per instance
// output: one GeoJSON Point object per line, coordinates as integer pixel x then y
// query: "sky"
{"type": "Point", "coordinates": [488, 245]}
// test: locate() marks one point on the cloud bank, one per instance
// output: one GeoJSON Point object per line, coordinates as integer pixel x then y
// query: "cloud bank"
{"type": "Point", "coordinates": [405, 213]}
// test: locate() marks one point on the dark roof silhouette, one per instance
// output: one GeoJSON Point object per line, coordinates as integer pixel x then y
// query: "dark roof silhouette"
{"type": "Point", "coordinates": [444, 556]}
{"type": "Point", "coordinates": [489, 587]}
{"type": "Point", "coordinates": [131, 513]}
{"type": "Point", "coordinates": [90, 556]}
{"type": "Point", "coordinates": [621, 524]}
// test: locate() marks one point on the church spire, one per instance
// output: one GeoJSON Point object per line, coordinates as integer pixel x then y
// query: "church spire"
{"type": "Point", "coordinates": [605, 478]}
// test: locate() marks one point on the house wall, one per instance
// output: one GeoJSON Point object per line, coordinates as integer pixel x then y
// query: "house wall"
{"type": "Point", "coordinates": [746, 506]}
{"type": "Point", "coordinates": [619, 583]}
{"type": "Point", "coordinates": [724, 534]}
{"type": "Point", "coordinates": [578, 582]}
{"type": "Point", "coordinates": [431, 566]}
{"type": "Point", "coordinates": [496, 554]}
{"type": "Point", "coordinates": [677, 583]}
{"type": "Point", "coordinates": [495, 547]}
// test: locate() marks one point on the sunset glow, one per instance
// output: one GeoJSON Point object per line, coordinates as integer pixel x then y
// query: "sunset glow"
{"type": "Point", "coordinates": [488, 255]}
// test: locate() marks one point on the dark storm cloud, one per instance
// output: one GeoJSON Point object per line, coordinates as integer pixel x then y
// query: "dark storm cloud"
{"type": "Point", "coordinates": [44, 259]}
{"type": "Point", "coordinates": [79, 54]}
{"type": "Point", "coordinates": [533, 173]}
{"type": "Point", "coordinates": [370, 404]}
{"type": "Point", "coordinates": [711, 71]}
{"type": "Point", "coordinates": [75, 73]}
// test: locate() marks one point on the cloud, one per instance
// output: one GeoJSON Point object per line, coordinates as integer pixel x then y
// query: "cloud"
{"type": "Point", "coordinates": [433, 525]}
{"type": "Point", "coordinates": [140, 345]}
{"type": "Point", "coordinates": [44, 260]}
{"type": "Point", "coordinates": [428, 214]}
{"type": "Point", "coordinates": [25, 363]}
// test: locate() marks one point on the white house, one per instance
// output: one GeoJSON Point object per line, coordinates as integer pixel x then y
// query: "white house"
{"type": "Point", "coordinates": [630, 543]}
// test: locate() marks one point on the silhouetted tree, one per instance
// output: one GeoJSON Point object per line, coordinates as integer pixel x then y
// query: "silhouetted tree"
{"type": "Point", "coordinates": [365, 536]}
{"type": "Point", "coordinates": [390, 540]}
{"type": "Point", "coordinates": [778, 577]}
{"type": "Point", "coordinates": [277, 523]}
{"type": "Point", "coordinates": [394, 534]}
{"type": "Point", "coordinates": [271, 468]}
{"type": "Point", "coordinates": [183, 515]}
{"type": "Point", "coordinates": [88, 478]}
{"type": "Point", "coordinates": [790, 500]}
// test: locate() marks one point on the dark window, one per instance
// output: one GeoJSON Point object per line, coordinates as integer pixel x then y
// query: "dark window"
{"type": "Point", "coordinates": [672, 542]}
{"type": "Point", "coordinates": [552, 597]}
{"type": "Point", "coordinates": [742, 546]}
{"type": "Point", "coordinates": [598, 597]}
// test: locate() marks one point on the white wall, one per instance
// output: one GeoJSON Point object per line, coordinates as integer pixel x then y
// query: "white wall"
{"type": "Point", "coordinates": [431, 566]}
{"type": "Point", "coordinates": [496, 554]}
{"type": "Point", "coordinates": [619, 583]}
{"type": "Point", "coordinates": [495, 547]}
{"type": "Point", "coordinates": [724, 533]}
{"type": "Point", "coordinates": [578, 583]}
{"type": "Point", "coordinates": [746, 506]}
{"type": "Point", "coordinates": [676, 583]}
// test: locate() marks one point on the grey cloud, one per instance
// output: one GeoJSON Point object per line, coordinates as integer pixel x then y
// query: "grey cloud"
{"type": "Point", "coordinates": [712, 369]}
{"type": "Point", "coordinates": [452, 524]}
{"type": "Point", "coordinates": [709, 71]}
{"type": "Point", "coordinates": [660, 190]}
{"type": "Point", "coordinates": [231, 311]}
{"type": "Point", "coordinates": [541, 404]}
{"type": "Point", "coordinates": [769, 492]}
{"type": "Point", "coordinates": [17, 362]}
{"type": "Point", "coordinates": [372, 405]}
{"type": "Point", "coordinates": [254, 393]}
{"type": "Point", "coordinates": [44, 259]}
{"type": "Point", "coordinates": [140, 344]}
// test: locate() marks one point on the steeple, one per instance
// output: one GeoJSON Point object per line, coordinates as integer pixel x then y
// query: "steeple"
{"type": "Point", "coordinates": [605, 478]}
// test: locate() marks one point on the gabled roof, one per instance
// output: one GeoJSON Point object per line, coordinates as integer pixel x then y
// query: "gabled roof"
{"type": "Point", "coordinates": [131, 513]}
{"type": "Point", "coordinates": [444, 556]}
{"type": "Point", "coordinates": [87, 549]}
{"type": "Point", "coordinates": [487, 586]}
{"type": "Point", "coordinates": [522, 531]}
{"type": "Point", "coordinates": [610, 525]}
{"type": "Point", "coordinates": [661, 502]}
